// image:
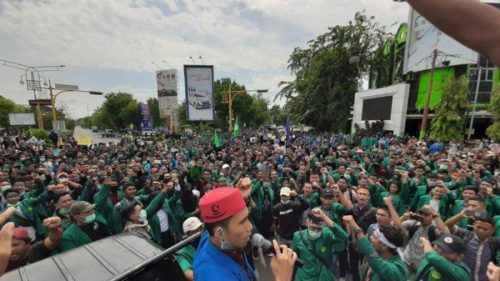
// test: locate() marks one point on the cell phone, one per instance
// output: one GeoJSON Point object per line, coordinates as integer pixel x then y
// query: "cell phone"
{"type": "Point", "coordinates": [416, 217]}
{"type": "Point", "coordinates": [469, 213]}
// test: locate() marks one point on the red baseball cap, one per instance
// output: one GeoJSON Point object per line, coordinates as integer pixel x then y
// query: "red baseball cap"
{"type": "Point", "coordinates": [20, 234]}
{"type": "Point", "coordinates": [221, 203]}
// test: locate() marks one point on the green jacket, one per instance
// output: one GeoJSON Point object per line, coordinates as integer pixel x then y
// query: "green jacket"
{"type": "Point", "coordinates": [393, 269]}
{"type": "Point", "coordinates": [313, 268]}
{"type": "Point", "coordinates": [444, 204]}
{"type": "Point", "coordinates": [29, 217]}
{"type": "Point", "coordinates": [74, 236]}
{"type": "Point", "coordinates": [185, 257]}
{"type": "Point", "coordinates": [437, 267]}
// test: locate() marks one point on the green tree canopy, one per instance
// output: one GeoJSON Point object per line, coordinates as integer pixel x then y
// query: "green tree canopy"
{"type": "Point", "coordinates": [448, 121]}
{"type": "Point", "coordinates": [493, 131]}
{"type": "Point", "coordinates": [328, 73]}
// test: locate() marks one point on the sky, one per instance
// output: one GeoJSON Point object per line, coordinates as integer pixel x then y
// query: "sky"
{"type": "Point", "coordinates": [117, 45]}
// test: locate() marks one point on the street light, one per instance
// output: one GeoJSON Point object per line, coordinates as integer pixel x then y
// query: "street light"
{"type": "Point", "coordinates": [65, 89]}
{"type": "Point", "coordinates": [230, 97]}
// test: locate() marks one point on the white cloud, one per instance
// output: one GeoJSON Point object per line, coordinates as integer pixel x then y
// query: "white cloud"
{"type": "Point", "coordinates": [241, 37]}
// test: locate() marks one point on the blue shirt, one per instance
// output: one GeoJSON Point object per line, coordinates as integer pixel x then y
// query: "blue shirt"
{"type": "Point", "coordinates": [211, 263]}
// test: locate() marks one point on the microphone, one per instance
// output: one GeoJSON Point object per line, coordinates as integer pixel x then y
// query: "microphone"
{"type": "Point", "coordinates": [298, 261]}
{"type": "Point", "coordinates": [267, 247]}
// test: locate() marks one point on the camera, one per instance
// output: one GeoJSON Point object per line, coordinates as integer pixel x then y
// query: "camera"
{"type": "Point", "coordinates": [416, 217]}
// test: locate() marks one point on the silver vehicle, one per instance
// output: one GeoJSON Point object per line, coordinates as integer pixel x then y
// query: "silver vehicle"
{"type": "Point", "coordinates": [199, 99]}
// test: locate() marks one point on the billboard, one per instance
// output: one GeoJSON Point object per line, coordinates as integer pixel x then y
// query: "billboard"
{"type": "Point", "coordinates": [166, 83]}
{"type": "Point", "coordinates": [18, 119]}
{"type": "Point", "coordinates": [424, 37]}
{"type": "Point", "coordinates": [146, 119]}
{"type": "Point", "coordinates": [199, 81]}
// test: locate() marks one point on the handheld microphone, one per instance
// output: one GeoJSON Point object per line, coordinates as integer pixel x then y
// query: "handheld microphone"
{"type": "Point", "coordinates": [298, 261]}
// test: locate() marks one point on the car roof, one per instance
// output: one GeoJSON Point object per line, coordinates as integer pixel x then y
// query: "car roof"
{"type": "Point", "coordinates": [100, 260]}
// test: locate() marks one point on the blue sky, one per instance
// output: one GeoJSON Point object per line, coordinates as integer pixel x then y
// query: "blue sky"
{"type": "Point", "coordinates": [109, 45]}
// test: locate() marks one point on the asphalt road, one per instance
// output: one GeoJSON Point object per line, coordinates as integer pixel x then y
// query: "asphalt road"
{"type": "Point", "coordinates": [95, 137]}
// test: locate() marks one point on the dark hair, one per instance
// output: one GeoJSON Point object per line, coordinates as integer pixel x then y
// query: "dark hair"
{"type": "Point", "coordinates": [478, 199]}
{"type": "Point", "coordinates": [484, 219]}
{"type": "Point", "coordinates": [128, 184]}
{"type": "Point", "coordinates": [127, 210]}
{"type": "Point", "coordinates": [490, 181]}
{"type": "Point", "coordinates": [386, 209]}
{"type": "Point", "coordinates": [472, 187]}
{"type": "Point", "coordinates": [394, 235]}
{"type": "Point", "coordinates": [58, 196]}
{"type": "Point", "coordinates": [210, 227]}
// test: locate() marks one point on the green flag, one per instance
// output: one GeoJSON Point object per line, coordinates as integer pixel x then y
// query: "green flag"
{"type": "Point", "coordinates": [236, 132]}
{"type": "Point", "coordinates": [217, 142]}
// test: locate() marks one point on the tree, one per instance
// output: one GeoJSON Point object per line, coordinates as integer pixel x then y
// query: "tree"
{"type": "Point", "coordinates": [322, 94]}
{"type": "Point", "coordinates": [448, 121]}
{"type": "Point", "coordinates": [493, 131]}
{"type": "Point", "coordinates": [277, 115]}
{"type": "Point", "coordinates": [7, 106]}
{"type": "Point", "coordinates": [118, 111]}
{"type": "Point", "coordinates": [154, 110]}
{"type": "Point", "coordinates": [252, 110]}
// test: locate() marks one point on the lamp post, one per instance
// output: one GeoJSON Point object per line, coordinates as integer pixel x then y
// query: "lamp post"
{"type": "Point", "coordinates": [32, 77]}
{"type": "Point", "coordinates": [228, 97]}
{"type": "Point", "coordinates": [64, 89]}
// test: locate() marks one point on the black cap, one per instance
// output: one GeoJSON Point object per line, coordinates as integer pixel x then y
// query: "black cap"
{"type": "Point", "coordinates": [451, 244]}
{"type": "Point", "coordinates": [327, 192]}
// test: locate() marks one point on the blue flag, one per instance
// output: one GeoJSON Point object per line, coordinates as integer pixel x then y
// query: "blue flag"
{"type": "Point", "coordinates": [288, 132]}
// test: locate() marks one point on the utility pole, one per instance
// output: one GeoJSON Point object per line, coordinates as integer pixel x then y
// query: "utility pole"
{"type": "Point", "coordinates": [425, 118]}
{"type": "Point", "coordinates": [469, 133]}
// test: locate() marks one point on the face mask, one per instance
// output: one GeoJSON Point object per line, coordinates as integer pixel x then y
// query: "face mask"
{"type": "Point", "coordinates": [13, 205]}
{"type": "Point", "coordinates": [285, 201]}
{"type": "Point", "coordinates": [143, 216]}
{"type": "Point", "coordinates": [224, 244]}
{"type": "Point", "coordinates": [64, 211]}
{"type": "Point", "coordinates": [89, 218]}
{"type": "Point", "coordinates": [62, 180]}
{"type": "Point", "coordinates": [314, 234]}
{"type": "Point", "coordinates": [42, 159]}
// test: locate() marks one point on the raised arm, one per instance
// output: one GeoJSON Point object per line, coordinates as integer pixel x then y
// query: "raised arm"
{"type": "Point", "coordinates": [473, 24]}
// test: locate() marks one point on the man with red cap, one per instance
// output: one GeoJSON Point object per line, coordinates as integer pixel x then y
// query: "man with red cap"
{"type": "Point", "coordinates": [220, 254]}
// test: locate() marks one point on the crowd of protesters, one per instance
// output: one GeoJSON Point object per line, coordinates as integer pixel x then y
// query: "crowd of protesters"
{"type": "Point", "coordinates": [377, 208]}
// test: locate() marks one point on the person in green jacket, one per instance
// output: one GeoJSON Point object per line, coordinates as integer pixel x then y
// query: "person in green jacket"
{"type": "Point", "coordinates": [185, 256]}
{"type": "Point", "coordinates": [313, 245]}
{"type": "Point", "coordinates": [88, 224]}
{"type": "Point", "coordinates": [26, 215]}
{"type": "Point", "coordinates": [382, 252]}
{"type": "Point", "coordinates": [135, 218]}
{"type": "Point", "coordinates": [440, 198]}
{"type": "Point", "coordinates": [443, 261]}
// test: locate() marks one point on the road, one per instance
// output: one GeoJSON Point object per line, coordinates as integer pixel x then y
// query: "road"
{"type": "Point", "coordinates": [95, 137]}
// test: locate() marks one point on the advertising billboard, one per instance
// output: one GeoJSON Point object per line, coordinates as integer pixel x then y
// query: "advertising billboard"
{"type": "Point", "coordinates": [146, 119]}
{"type": "Point", "coordinates": [199, 81]}
{"type": "Point", "coordinates": [18, 119]}
{"type": "Point", "coordinates": [424, 37]}
{"type": "Point", "coordinates": [166, 83]}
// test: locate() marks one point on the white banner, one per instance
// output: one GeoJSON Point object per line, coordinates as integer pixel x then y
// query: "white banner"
{"type": "Point", "coordinates": [18, 119]}
{"type": "Point", "coordinates": [199, 92]}
{"type": "Point", "coordinates": [424, 38]}
{"type": "Point", "coordinates": [166, 83]}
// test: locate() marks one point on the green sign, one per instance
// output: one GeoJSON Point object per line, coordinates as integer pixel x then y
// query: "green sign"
{"type": "Point", "coordinates": [441, 77]}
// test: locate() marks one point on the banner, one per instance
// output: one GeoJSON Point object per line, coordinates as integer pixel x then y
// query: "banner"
{"type": "Point", "coordinates": [146, 119]}
{"type": "Point", "coordinates": [26, 119]}
{"type": "Point", "coordinates": [424, 37]}
{"type": "Point", "coordinates": [199, 81]}
{"type": "Point", "coordinates": [166, 83]}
